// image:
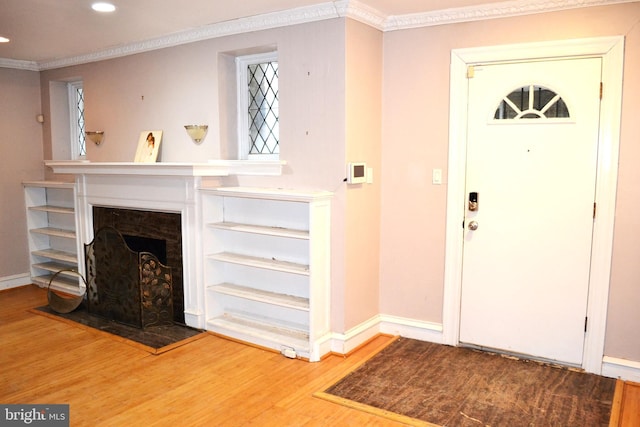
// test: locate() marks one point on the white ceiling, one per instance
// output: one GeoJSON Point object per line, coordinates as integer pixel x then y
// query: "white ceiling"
{"type": "Point", "coordinates": [45, 31]}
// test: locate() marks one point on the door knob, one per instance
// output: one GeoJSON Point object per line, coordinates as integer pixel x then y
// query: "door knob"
{"type": "Point", "coordinates": [473, 225]}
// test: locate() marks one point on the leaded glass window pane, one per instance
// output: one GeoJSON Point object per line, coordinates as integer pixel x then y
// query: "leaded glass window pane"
{"type": "Point", "coordinates": [264, 130]}
{"type": "Point", "coordinates": [531, 102]}
{"type": "Point", "coordinates": [82, 147]}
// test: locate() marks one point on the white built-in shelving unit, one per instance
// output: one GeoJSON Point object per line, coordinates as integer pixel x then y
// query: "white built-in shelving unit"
{"type": "Point", "coordinates": [266, 267]}
{"type": "Point", "coordinates": [51, 223]}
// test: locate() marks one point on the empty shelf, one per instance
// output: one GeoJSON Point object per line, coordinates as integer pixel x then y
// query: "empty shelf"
{"type": "Point", "coordinates": [282, 300]}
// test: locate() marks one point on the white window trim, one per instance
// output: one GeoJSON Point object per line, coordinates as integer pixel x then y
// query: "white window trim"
{"type": "Point", "coordinates": [73, 119]}
{"type": "Point", "coordinates": [244, 143]}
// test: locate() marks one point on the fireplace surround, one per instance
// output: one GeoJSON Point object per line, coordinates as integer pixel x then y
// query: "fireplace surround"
{"type": "Point", "coordinates": [157, 187]}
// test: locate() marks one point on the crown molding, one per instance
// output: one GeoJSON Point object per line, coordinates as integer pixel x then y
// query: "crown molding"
{"type": "Point", "coordinates": [265, 21]}
{"type": "Point", "coordinates": [489, 11]}
{"type": "Point", "coordinates": [352, 9]}
{"type": "Point", "coordinates": [19, 65]}
{"type": "Point", "coordinates": [361, 12]}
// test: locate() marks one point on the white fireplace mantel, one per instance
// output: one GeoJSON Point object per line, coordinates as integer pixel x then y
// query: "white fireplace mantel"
{"type": "Point", "coordinates": [210, 168]}
{"type": "Point", "coordinates": [163, 187]}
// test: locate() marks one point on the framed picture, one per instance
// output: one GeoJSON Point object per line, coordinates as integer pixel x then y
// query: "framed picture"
{"type": "Point", "coordinates": [148, 146]}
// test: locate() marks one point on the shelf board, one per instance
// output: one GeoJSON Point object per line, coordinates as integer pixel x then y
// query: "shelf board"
{"type": "Point", "coordinates": [269, 264]}
{"type": "Point", "coordinates": [53, 209]}
{"type": "Point", "coordinates": [61, 283]}
{"type": "Point", "coordinates": [267, 297]}
{"type": "Point", "coordinates": [57, 232]}
{"type": "Point", "coordinates": [49, 184]}
{"type": "Point", "coordinates": [57, 255]}
{"type": "Point", "coordinates": [260, 229]}
{"type": "Point", "coordinates": [54, 267]}
{"type": "Point", "coordinates": [278, 194]}
{"type": "Point", "coordinates": [252, 330]}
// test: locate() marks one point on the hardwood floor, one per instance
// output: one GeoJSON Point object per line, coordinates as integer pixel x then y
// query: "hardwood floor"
{"type": "Point", "coordinates": [629, 413]}
{"type": "Point", "coordinates": [212, 381]}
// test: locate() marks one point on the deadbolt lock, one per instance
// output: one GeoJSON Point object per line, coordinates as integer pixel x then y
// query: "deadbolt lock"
{"type": "Point", "coordinates": [473, 201]}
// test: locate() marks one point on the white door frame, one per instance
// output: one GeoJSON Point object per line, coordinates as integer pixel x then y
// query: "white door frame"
{"type": "Point", "coordinates": [611, 50]}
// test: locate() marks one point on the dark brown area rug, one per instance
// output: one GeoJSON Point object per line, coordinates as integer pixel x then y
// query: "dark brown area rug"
{"type": "Point", "coordinates": [423, 383]}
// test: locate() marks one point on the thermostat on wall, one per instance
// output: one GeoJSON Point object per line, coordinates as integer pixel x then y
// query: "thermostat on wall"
{"type": "Point", "coordinates": [356, 173]}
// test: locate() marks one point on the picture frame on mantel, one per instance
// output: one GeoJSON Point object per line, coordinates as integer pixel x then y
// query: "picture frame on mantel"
{"type": "Point", "coordinates": [148, 146]}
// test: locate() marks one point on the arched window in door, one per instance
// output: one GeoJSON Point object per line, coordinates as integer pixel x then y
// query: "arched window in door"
{"type": "Point", "coordinates": [531, 102]}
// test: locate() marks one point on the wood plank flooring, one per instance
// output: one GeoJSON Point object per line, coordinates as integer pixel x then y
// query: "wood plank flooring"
{"type": "Point", "coordinates": [212, 381]}
{"type": "Point", "coordinates": [629, 414]}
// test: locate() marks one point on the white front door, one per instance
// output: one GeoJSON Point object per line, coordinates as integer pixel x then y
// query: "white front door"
{"type": "Point", "coordinates": [531, 164]}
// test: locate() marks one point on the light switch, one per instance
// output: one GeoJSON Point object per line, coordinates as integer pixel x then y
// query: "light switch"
{"type": "Point", "coordinates": [436, 177]}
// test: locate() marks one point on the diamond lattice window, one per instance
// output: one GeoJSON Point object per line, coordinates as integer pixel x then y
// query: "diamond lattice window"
{"type": "Point", "coordinates": [264, 131]}
{"type": "Point", "coordinates": [82, 147]}
{"type": "Point", "coordinates": [531, 102]}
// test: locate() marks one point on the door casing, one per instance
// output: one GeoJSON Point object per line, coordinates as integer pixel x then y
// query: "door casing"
{"type": "Point", "coordinates": [611, 50]}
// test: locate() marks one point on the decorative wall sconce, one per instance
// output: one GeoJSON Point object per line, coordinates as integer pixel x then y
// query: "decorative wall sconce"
{"type": "Point", "coordinates": [197, 132]}
{"type": "Point", "coordinates": [95, 136]}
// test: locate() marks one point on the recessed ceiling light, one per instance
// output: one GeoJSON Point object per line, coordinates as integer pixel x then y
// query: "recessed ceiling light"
{"type": "Point", "coordinates": [4, 40]}
{"type": "Point", "coordinates": [103, 7]}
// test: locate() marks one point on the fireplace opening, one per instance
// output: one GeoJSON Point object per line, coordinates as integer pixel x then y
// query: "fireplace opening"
{"type": "Point", "coordinates": [159, 233]}
{"type": "Point", "coordinates": [146, 244]}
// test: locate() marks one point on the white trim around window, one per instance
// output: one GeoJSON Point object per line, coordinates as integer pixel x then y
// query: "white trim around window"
{"type": "Point", "coordinates": [244, 143]}
{"type": "Point", "coordinates": [74, 128]}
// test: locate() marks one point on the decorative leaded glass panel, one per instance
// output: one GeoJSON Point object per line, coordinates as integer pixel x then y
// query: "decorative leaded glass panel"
{"type": "Point", "coordinates": [264, 131]}
{"type": "Point", "coordinates": [531, 102]}
{"type": "Point", "coordinates": [82, 148]}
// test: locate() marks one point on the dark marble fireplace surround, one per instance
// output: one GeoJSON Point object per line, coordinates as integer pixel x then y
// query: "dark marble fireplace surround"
{"type": "Point", "coordinates": [150, 225]}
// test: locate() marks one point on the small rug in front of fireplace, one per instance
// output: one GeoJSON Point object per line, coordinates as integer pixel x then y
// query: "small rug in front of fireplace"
{"type": "Point", "coordinates": [155, 340]}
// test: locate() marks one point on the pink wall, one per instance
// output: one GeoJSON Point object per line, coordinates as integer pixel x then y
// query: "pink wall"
{"type": "Point", "coordinates": [182, 85]}
{"type": "Point", "coordinates": [415, 140]}
{"type": "Point", "coordinates": [364, 143]}
{"type": "Point", "coordinates": [330, 114]}
{"type": "Point", "coordinates": [339, 104]}
{"type": "Point", "coordinates": [20, 160]}
{"type": "Point", "coordinates": [623, 339]}
{"type": "Point", "coordinates": [190, 84]}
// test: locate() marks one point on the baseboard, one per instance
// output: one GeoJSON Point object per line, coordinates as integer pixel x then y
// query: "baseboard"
{"type": "Point", "coordinates": [411, 328]}
{"type": "Point", "coordinates": [355, 337]}
{"type": "Point", "coordinates": [627, 370]}
{"type": "Point", "coordinates": [321, 348]}
{"type": "Point", "coordinates": [385, 324]}
{"type": "Point", "coordinates": [14, 281]}
{"type": "Point", "coordinates": [194, 318]}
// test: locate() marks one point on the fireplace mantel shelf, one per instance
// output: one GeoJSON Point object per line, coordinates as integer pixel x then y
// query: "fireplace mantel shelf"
{"type": "Point", "coordinates": [210, 168]}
